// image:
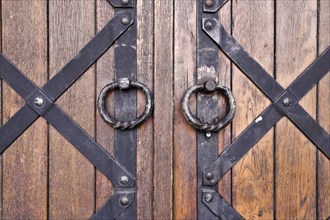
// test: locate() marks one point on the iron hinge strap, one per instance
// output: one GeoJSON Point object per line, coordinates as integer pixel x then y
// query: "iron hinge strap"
{"type": "Point", "coordinates": [207, 109]}
{"type": "Point", "coordinates": [212, 6]}
{"type": "Point", "coordinates": [60, 121]}
{"type": "Point", "coordinates": [285, 100]}
{"type": "Point", "coordinates": [218, 205]}
{"type": "Point", "coordinates": [116, 205]}
{"type": "Point", "coordinates": [125, 60]}
{"type": "Point", "coordinates": [122, 3]}
{"type": "Point", "coordinates": [38, 98]}
{"type": "Point", "coordinates": [285, 104]}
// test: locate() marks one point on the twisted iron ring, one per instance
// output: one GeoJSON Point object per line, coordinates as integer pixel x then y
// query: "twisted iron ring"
{"type": "Point", "coordinates": [218, 123]}
{"type": "Point", "coordinates": [124, 84]}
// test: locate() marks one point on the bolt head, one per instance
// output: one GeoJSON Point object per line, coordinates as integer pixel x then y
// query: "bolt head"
{"type": "Point", "coordinates": [209, 3]}
{"type": "Point", "coordinates": [287, 102]}
{"type": "Point", "coordinates": [38, 101]}
{"type": "Point", "coordinates": [124, 201]}
{"type": "Point", "coordinates": [208, 25]}
{"type": "Point", "coordinates": [124, 83]}
{"type": "Point", "coordinates": [124, 20]}
{"type": "Point", "coordinates": [208, 197]}
{"type": "Point", "coordinates": [210, 86]}
{"type": "Point", "coordinates": [124, 2]}
{"type": "Point", "coordinates": [209, 175]}
{"type": "Point", "coordinates": [123, 180]}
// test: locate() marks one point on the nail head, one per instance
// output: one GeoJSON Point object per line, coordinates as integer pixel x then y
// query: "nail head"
{"type": "Point", "coordinates": [38, 101]}
{"type": "Point", "coordinates": [124, 201]}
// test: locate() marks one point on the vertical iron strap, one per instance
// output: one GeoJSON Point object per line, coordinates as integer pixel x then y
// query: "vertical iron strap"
{"type": "Point", "coordinates": [125, 103]}
{"type": "Point", "coordinates": [207, 146]}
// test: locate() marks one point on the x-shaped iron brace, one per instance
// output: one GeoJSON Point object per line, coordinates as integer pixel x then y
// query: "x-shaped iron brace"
{"type": "Point", "coordinates": [284, 103]}
{"type": "Point", "coordinates": [41, 102]}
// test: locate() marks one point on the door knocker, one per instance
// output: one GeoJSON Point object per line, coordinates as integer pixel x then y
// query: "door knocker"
{"type": "Point", "coordinates": [125, 84]}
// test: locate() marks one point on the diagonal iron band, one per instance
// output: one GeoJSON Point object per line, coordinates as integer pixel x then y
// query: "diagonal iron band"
{"type": "Point", "coordinates": [285, 102]}
{"type": "Point", "coordinates": [219, 206]}
{"type": "Point", "coordinates": [212, 6]}
{"type": "Point", "coordinates": [125, 84]}
{"type": "Point", "coordinates": [40, 102]}
{"type": "Point", "coordinates": [115, 206]}
{"type": "Point", "coordinates": [60, 82]}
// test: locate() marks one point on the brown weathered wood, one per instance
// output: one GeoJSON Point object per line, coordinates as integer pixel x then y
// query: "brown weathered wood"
{"type": "Point", "coordinates": [224, 76]}
{"type": "Point", "coordinates": [1, 123]}
{"type": "Point", "coordinates": [145, 132]}
{"type": "Point", "coordinates": [295, 156]}
{"type": "Point", "coordinates": [185, 179]}
{"type": "Point", "coordinates": [104, 75]}
{"type": "Point", "coordinates": [252, 176]}
{"type": "Point", "coordinates": [71, 176]}
{"type": "Point", "coordinates": [163, 113]}
{"type": "Point", "coordinates": [324, 115]}
{"type": "Point", "coordinates": [24, 42]}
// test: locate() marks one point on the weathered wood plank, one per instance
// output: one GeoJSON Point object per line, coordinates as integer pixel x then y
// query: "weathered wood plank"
{"type": "Point", "coordinates": [324, 115]}
{"type": "Point", "coordinates": [163, 113]}
{"type": "Point", "coordinates": [1, 123]}
{"type": "Point", "coordinates": [252, 187]}
{"type": "Point", "coordinates": [224, 76]}
{"type": "Point", "coordinates": [24, 42]}
{"type": "Point", "coordinates": [104, 76]}
{"type": "Point", "coordinates": [185, 180]}
{"type": "Point", "coordinates": [71, 176]}
{"type": "Point", "coordinates": [145, 132]}
{"type": "Point", "coordinates": [296, 26]}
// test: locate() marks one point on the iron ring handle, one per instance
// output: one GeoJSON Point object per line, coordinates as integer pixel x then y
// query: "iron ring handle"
{"type": "Point", "coordinates": [124, 84]}
{"type": "Point", "coordinates": [218, 123]}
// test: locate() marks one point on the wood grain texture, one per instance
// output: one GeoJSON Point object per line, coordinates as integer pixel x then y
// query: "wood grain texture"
{"type": "Point", "coordinates": [71, 176]}
{"type": "Point", "coordinates": [185, 179]}
{"type": "Point", "coordinates": [1, 122]}
{"type": "Point", "coordinates": [145, 143]}
{"type": "Point", "coordinates": [252, 186]}
{"type": "Point", "coordinates": [163, 112]}
{"type": "Point", "coordinates": [24, 42]}
{"type": "Point", "coordinates": [324, 115]}
{"type": "Point", "coordinates": [224, 76]}
{"type": "Point", "coordinates": [295, 156]}
{"type": "Point", "coordinates": [104, 76]}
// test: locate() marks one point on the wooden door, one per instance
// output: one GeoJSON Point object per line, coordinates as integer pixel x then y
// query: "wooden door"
{"type": "Point", "coordinates": [43, 176]}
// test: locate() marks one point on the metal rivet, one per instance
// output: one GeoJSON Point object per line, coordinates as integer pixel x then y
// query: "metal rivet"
{"type": "Point", "coordinates": [209, 175]}
{"type": "Point", "coordinates": [208, 25]}
{"type": "Point", "coordinates": [210, 86]}
{"type": "Point", "coordinates": [124, 201]}
{"type": "Point", "coordinates": [124, 20]}
{"type": "Point", "coordinates": [286, 102]}
{"type": "Point", "coordinates": [124, 2]}
{"type": "Point", "coordinates": [208, 134]}
{"type": "Point", "coordinates": [209, 3]}
{"type": "Point", "coordinates": [208, 197]}
{"type": "Point", "coordinates": [38, 101]}
{"type": "Point", "coordinates": [124, 83]}
{"type": "Point", "coordinates": [123, 180]}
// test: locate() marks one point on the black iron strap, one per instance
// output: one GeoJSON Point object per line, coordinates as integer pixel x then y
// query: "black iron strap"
{"type": "Point", "coordinates": [125, 57]}
{"type": "Point", "coordinates": [41, 102]}
{"type": "Point", "coordinates": [284, 103]}
{"type": "Point", "coordinates": [207, 119]}
{"type": "Point", "coordinates": [212, 6]}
